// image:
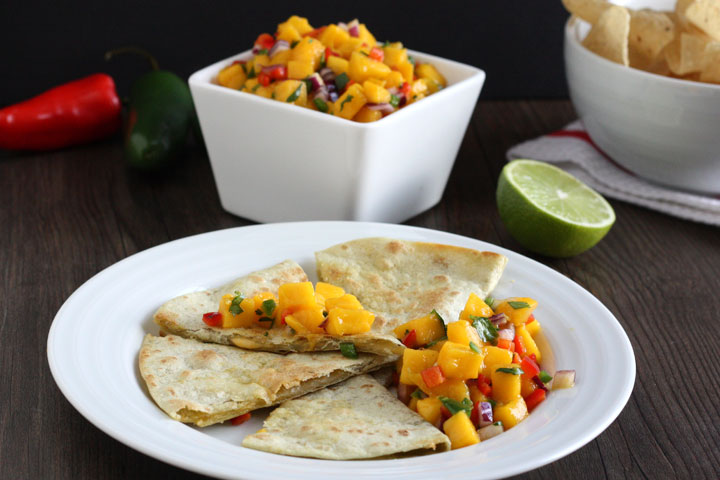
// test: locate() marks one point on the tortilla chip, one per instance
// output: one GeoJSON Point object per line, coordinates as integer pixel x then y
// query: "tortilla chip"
{"type": "Point", "coordinates": [711, 72]}
{"type": "Point", "coordinates": [679, 14]}
{"type": "Point", "coordinates": [609, 35]}
{"type": "Point", "coordinates": [588, 10]}
{"type": "Point", "coordinates": [650, 33]}
{"type": "Point", "coordinates": [202, 383]}
{"type": "Point", "coordinates": [183, 316]}
{"type": "Point", "coordinates": [686, 54]}
{"type": "Point", "coordinates": [705, 14]}
{"type": "Point", "coordinates": [401, 280]}
{"type": "Point", "coordinates": [356, 419]}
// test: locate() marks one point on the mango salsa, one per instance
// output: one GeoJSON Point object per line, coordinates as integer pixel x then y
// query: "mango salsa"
{"type": "Point", "coordinates": [335, 69]}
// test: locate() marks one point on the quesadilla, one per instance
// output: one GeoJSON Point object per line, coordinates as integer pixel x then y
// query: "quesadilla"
{"type": "Point", "coordinates": [356, 419]}
{"type": "Point", "coordinates": [204, 383]}
{"type": "Point", "coordinates": [401, 280]}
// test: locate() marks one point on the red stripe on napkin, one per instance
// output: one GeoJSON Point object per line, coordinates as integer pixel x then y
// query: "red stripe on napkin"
{"type": "Point", "coordinates": [583, 135]}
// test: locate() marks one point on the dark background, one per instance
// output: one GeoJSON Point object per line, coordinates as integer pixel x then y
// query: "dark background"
{"type": "Point", "coordinates": [42, 44]}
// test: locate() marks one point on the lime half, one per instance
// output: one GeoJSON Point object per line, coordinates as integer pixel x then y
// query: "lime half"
{"type": "Point", "coordinates": [549, 211]}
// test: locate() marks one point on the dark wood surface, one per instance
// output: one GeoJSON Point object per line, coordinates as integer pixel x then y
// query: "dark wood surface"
{"type": "Point", "coordinates": [67, 215]}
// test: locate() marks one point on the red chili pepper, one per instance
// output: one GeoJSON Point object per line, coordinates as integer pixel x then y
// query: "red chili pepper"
{"type": "Point", "coordinates": [329, 53]}
{"type": "Point", "coordinates": [529, 366]}
{"type": "Point", "coordinates": [265, 40]}
{"type": "Point", "coordinates": [277, 72]}
{"type": "Point", "coordinates": [405, 89]}
{"type": "Point", "coordinates": [264, 79]}
{"type": "Point", "coordinates": [239, 420]}
{"type": "Point", "coordinates": [410, 340]}
{"type": "Point", "coordinates": [504, 343]}
{"type": "Point", "coordinates": [516, 359]}
{"type": "Point", "coordinates": [485, 389]}
{"type": "Point", "coordinates": [314, 33]}
{"type": "Point", "coordinates": [213, 319]}
{"type": "Point", "coordinates": [433, 376]}
{"type": "Point", "coordinates": [284, 314]}
{"type": "Point", "coordinates": [475, 415]}
{"type": "Point", "coordinates": [481, 379]}
{"type": "Point", "coordinates": [530, 319]}
{"type": "Point", "coordinates": [534, 358]}
{"type": "Point", "coordinates": [77, 112]}
{"type": "Point", "coordinates": [519, 346]}
{"type": "Point", "coordinates": [377, 53]}
{"type": "Point", "coordinates": [534, 399]}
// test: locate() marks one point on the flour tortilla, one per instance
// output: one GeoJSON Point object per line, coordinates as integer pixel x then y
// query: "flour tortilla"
{"type": "Point", "coordinates": [356, 419]}
{"type": "Point", "coordinates": [203, 383]}
{"type": "Point", "coordinates": [183, 316]}
{"type": "Point", "coordinates": [400, 280]}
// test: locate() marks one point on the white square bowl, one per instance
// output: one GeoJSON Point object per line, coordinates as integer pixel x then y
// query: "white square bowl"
{"type": "Point", "coordinates": [276, 162]}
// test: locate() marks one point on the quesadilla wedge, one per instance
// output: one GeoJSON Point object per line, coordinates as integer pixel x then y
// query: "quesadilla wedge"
{"type": "Point", "coordinates": [204, 383]}
{"type": "Point", "coordinates": [401, 280]}
{"type": "Point", "coordinates": [356, 419]}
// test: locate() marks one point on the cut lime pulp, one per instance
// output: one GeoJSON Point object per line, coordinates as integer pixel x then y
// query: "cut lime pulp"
{"type": "Point", "coordinates": [549, 211]}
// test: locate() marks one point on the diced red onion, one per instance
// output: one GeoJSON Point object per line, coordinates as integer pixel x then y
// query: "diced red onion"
{"type": "Point", "coordinates": [393, 90]}
{"type": "Point", "coordinates": [485, 414]}
{"type": "Point", "coordinates": [385, 108]}
{"type": "Point", "coordinates": [404, 392]}
{"type": "Point", "coordinates": [333, 96]}
{"type": "Point", "coordinates": [327, 75]}
{"type": "Point", "coordinates": [536, 380]}
{"type": "Point", "coordinates": [490, 431]}
{"type": "Point", "coordinates": [316, 81]}
{"type": "Point", "coordinates": [439, 423]}
{"type": "Point", "coordinates": [563, 379]}
{"type": "Point", "coordinates": [322, 93]}
{"type": "Point", "coordinates": [256, 49]}
{"type": "Point", "coordinates": [343, 25]}
{"type": "Point", "coordinates": [403, 100]}
{"type": "Point", "coordinates": [499, 318]}
{"type": "Point", "coordinates": [280, 46]}
{"type": "Point", "coordinates": [270, 68]}
{"type": "Point", "coordinates": [507, 333]}
{"type": "Point", "coordinates": [354, 28]}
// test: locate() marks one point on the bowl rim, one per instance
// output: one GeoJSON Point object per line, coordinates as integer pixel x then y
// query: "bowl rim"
{"type": "Point", "coordinates": [571, 26]}
{"type": "Point", "coordinates": [197, 79]}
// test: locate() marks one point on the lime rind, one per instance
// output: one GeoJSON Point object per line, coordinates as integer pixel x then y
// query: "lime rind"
{"type": "Point", "coordinates": [559, 194]}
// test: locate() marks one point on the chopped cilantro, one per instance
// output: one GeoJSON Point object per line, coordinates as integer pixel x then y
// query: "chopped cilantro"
{"type": "Point", "coordinates": [498, 424]}
{"type": "Point", "coordinates": [341, 81]}
{"type": "Point", "coordinates": [419, 394]}
{"type": "Point", "coordinates": [294, 96]}
{"type": "Point", "coordinates": [487, 331]}
{"type": "Point", "coordinates": [266, 334]}
{"type": "Point", "coordinates": [386, 43]}
{"type": "Point", "coordinates": [474, 347]}
{"type": "Point", "coordinates": [347, 99]}
{"type": "Point", "coordinates": [258, 312]}
{"type": "Point", "coordinates": [511, 370]}
{"type": "Point", "coordinates": [294, 43]}
{"type": "Point", "coordinates": [320, 104]}
{"type": "Point", "coordinates": [364, 53]}
{"type": "Point", "coordinates": [414, 97]}
{"type": "Point", "coordinates": [411, 60]}
{"type": "Point", "coordinates": [323, 61]}
{"type": "Point", "coordinates": [454, 406]}
{"type": "Point", "coordinates": [348, 350]}
{"type": "Point", "coordinates": [544, 376]}
{"type": "Point", "coordinates": [442, 320]}
{"type": "Point", "coordinates": [492, 402]}
{"type": "Point", "coordinates": [394, 100]}
{"type": "Point", "coordinates": [489, 301]}
{"type": "Point", "coordinates": [518, 305]}
{"type": "Point", "coordinates": [264, 51]}
{"type": "Point", "coordinates": [444, 337]}
{"type": "Point", "coordinates": [268, 306]}
{"type": "Point", "coordinates": [272, 95]}
{"type": "Point", "coordinates": [292, 330]}
{"type": "Point", "coordinates": [244, 69]}
{"type": "Point", "coordinates": [254, 89]}
{"type": "Point", "coordinates": [267, 319]}
{"type": "Point", "coordinates": [251, 74]}
{"type": "Point", "coordinates": [235, 308]}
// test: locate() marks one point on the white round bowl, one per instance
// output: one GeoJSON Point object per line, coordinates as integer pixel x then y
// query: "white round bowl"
{"type": "Point", "coordinates": [663, 129]}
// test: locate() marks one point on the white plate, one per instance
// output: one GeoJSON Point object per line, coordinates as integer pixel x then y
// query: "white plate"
{"type": "Point", "coordinates": [95, 337]}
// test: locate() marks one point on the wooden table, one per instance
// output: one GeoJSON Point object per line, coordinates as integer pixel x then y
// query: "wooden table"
{"type": "Point", "coordinates": [67, 215]}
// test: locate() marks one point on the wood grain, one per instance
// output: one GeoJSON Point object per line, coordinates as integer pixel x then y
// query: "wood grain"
{"type": "Point", "coordinates": [69, 214]}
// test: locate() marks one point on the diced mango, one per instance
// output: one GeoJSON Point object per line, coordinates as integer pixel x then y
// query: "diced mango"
{"type": "Point", "coordinates": [346, 301]}
{"type": "Point", "coordinates": [310, 318]}
{"type": "Point", "coordinates": [365, 36]}
{"type": "Point", "coordinates": [527, 386]}
{"type": "Point", "coordinates": [296, 295]}
{"type": "Point", "coordinates": [406, 69]}
{"type": "Point", "coordinates": [394, 79]}
{"type": "Point", "coordinates": [430, 409]}
{"type": "Point", "coordinates": [463, 333]}
{"type": "Point", "coordinates": [265, 92]}
{"type": "Point", "coordinates": [366, 115]}
{"type": "Point", "coordinates": [375, 93]}
{"type": "Point", "coordinates": [394, 56]}
{"type": "Point", "coordinates": [342, 321]}
{"type": "Point", "coordinates": [429, 71]}
{"type": "Point", "coordinates": [451, 388]}
{"type": "Point", "coordinates": [505, 386]}
{"type": "Point", "coordinates": [438, 345]}
{"type": "Point", "coordinates": [323, 291]}
{"type": "Point", "coordinates": [287, 32]}
{"type": "Point", "coordinates": [291, 91]}
{"type": "Point", "coordinates": [511, 413]}
{"type": "Point", "coordinates": [337, 64]}
{"type": "Point", "coordinates": [459, 361]}
{"type": "Point", "coordinates": [309, 50]}
{"type": "Point", "coordinates": [280, 58]}
{"type": "Point", "coordinates": [232, 76]}
{"type": "Point", "coordinates": [301, 24]}
{"type": "Point", "coordinates": [528, 342]}
{"type": "Point", "coordinates": [414, 362]}
{"type": "Point", "coordinates": [475, 394]}
{"type": "Point", "coordinates": [298, 70]}
{"type": "Point", "coordinates": [533, 328]}
{"type": "Point", "coordinates": [333, 36]}
{"type": "Point", "coordinates": [361, 68]}
{"type": "Point", "coordinates": [296, 325]}
{"type": "Point", "coordinates": [461, 431]}
{"type": "Point", "coordinates": [349, 46]}
{"type": "Point", "coordinates": [427, 329]}
{"type": "Point", "coordinates": [350, 102]}
{"type": "Point", "coordinates": [515, 310]}
{"type": "Point", "coordinates": [493, 357]}
{"type": "Point", "coordinates": [260, 61]}
{"type": "Point", "coordinates": [476, 307]}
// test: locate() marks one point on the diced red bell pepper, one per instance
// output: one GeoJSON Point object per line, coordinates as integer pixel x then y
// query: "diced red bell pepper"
{"type": "Point", "coordinates": [405, 89]}
{"type": "Point", "coordinates": [277, 72]}
{"type": "Point", "coordinates": [265, 40]}
{"type": "Point", "coordinates": [529, 366]}
{"type": "Point", "coordinates": [410, 340]}
{"type": "Point", "coordinates": [445, 412]}
{"type": "Point", "coordinates": [314, 33]}
{"type": "Point", "coordinates": [377, 53]}
{"type": "Point", "coordinates": [475, 415]}
{"type": "Point", "coordinates": [433, 376]}
{"type": "Point", "coordinates": [239, 420]}
{"type": "Point", "coordinates": [504, 343]}
{"type": "Point", "coordinates": [264, 79]}
{"type": "Point", "coordinates": [284, 314]}
{"type": "Point", "coordinates": [329, 53]}
{"type": "Point", "coordinates": [213, 319]}
{"type": "Point", "coordinates": [534, 358]}
{"type": "Point", "coordinates": [530, 319]}
{"type": "Point", "coordinates": [485, 389]}
{"type": "Point", "coordinates": [516, 359]}
{"type": "Point", "coordinates": [519, 346]}
{"type": "Point", "coordinates": [481, 379]}
{"type": "Point", "coordinates": [534, 399]}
